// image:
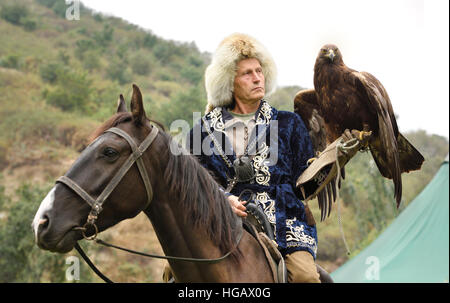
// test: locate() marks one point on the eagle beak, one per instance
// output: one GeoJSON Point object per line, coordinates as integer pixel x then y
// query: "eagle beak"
{"type": "Point", "coordinates": [330, 55]}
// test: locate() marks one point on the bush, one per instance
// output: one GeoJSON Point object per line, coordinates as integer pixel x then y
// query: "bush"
{"type": "Point", "coordinates": [149, 40]}
{"type": "Point", "coordinates": [163, 51]}
{"type": "Point", "coordinates": [192, 74]}
{"type": "Point", "coordinates": [104, 37]}
{"type": "Point", "coordinates": [20, 259]}
{"type": "Point", "coordinates": [49, 72]}
{"type": "Point", "coordinates": [72, 93]}
{"type": "Point", "coordinates": [140, 64]}
{"type": "Point", "coordinates": [83, 45]}
{"type": "Point", "coordinates": [29, 24]}
{"type": "Point", "coordinates": [91, 60]}
{"type": "Point", "coordinates": [13, 13]}
{"type": "Point", "coordinates": [10, 61]}
{"type": "Point", "coordinates": [182, 106]}
{"type": "Point", "coordinates": [118, 71]}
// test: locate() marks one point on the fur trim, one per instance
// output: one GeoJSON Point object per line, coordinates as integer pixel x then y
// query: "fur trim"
{"type": "Point", "coordinates": [219, 75]}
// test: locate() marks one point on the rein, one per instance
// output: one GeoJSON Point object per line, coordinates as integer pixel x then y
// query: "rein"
{"type": "Point", "coordinates": [107, 280]}
{"type": "Point", "coordinates": [96, 204]}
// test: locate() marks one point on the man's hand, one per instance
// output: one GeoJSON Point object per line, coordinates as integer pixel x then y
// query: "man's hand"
{"type": "Point", "coordinates": [237, 206]}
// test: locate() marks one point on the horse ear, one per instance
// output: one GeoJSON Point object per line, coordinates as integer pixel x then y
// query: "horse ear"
{"type": "Point", "coordinates": [137, 106]}
{"type": "Point", "coordinates": [121, 106]}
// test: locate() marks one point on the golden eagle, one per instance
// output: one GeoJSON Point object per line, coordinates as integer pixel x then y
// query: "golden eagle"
{"type": "Point", "coordinates": [342, 99]}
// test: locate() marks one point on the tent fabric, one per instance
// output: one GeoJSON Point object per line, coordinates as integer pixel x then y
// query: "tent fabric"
{"type": "Point", "coordinates": [414, 248]}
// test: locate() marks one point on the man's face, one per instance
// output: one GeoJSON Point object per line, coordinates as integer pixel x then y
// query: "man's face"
{"type": "Point", "coordinates": [249, 81]}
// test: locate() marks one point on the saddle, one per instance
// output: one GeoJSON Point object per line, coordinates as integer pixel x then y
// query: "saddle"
{"type": "Point", "coordinates": [257, 224]}
{"type": "Point", "coordinates": [259, 227]}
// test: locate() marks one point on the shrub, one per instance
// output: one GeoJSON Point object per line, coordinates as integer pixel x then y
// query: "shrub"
{"type": "Point", "coordinates": [118, 71]}
{"type": "Point", "coordinates": [20, 259]}
{"type": "Point", "coordinates": [104, 37]}
{"type": "Point", "coordinates": [10, 61]}
{"type": "Point", "coordinates": [29, 24]}
{"type": "Point", "coordinates": [72, 93]}
{"type": "Point", "coordinates": [192, 74]}
{"type": "Point", "coordinates": [81, 46]}
{"type": "Point", "coordinates": [163, 51]}
{"type": "Point", "coordinates": [149, 40]}
{"type": "Point", "coordinates": [49, 72]}
{"type": "Point", "coordinates": [140, 64]}
{"type": "Point", "coordinates": [13, 13]}
{"type": "Point", "coordinates": [91, 60]}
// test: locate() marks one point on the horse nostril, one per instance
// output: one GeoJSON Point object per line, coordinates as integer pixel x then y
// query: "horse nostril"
{"type": "Point", "coordinates": [43, 223]}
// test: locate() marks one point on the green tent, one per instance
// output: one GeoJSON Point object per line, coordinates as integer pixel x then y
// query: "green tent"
{"type": "Point", "coordinates": [414, 248]}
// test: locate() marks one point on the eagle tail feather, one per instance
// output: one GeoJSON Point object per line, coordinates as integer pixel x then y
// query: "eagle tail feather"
{"type": "Point", "coordinates": [410, 158]}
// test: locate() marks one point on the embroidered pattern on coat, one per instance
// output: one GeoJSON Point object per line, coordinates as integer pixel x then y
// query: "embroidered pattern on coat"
{"type": "Point", "coordinates": [268, 207]}
{"type": "Point", "coordinates": [262, 175]}
{"type": "Point", "coordinates": [216, 119]}
{"type": "Point", "coordinates": [297, 234]}
{"type": "Point", "coordinates": [265, 113]}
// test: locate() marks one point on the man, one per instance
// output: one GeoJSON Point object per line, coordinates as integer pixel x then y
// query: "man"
{"type": "Point", "coordinates": [247, 144]}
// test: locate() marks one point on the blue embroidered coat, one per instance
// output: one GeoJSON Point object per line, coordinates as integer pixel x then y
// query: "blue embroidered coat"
{"type": "Point", "coordinates": [279, 158]}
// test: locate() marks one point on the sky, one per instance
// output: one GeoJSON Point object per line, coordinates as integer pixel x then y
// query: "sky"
{"type": "Point", "coordinates": [403, 43]}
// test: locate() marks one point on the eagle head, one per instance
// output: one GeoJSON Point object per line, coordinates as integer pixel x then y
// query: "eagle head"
{"type": "Point", "coordinates": [330, 53]}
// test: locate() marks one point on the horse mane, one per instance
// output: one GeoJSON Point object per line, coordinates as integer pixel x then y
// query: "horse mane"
{"type": "Point", "coordinates": [199, 195]}
{"type": "Point", "coordinates": [202, 201]}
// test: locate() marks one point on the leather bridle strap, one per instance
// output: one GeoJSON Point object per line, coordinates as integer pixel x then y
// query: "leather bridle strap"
{"type": "Point", "coordinates": [136, 156]}
{"type": "Point", "coordinates": [96, 204]}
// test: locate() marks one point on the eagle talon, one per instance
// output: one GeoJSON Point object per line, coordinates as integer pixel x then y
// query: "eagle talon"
{"type": "Point", "coordinates": [363, 135]}
{"type": "Point", "coordinates": [308, 163]}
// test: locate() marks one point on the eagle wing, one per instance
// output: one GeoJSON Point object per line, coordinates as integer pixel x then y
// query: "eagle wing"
{"type": "Point", "coordinates": [306, 105]}
{"type": "Point", "coordinates": [383, 146]}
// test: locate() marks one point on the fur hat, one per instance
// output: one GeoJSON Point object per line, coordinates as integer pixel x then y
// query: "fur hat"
{"type": "Point", "coordinates": [219, 75]}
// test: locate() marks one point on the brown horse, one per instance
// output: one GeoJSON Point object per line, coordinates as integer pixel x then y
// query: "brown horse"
{"type": "Point", "coordinates": [190, 215]}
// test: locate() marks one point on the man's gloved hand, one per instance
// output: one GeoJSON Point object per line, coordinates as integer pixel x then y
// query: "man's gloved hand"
{"type": "Point", "coordinates": [322, 172]}
{"type": "Point", "coordinates": [349, 139]}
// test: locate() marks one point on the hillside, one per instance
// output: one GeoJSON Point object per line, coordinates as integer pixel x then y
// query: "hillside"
{"type": "Point", "coordinates": [60, 79]}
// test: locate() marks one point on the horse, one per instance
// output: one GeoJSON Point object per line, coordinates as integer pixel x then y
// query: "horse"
{"type": "Point", "coordinates": [114, 179]}
{"type": "Point", "coordinates": [189, 213]}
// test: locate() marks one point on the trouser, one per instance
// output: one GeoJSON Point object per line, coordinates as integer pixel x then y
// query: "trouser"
{"type": "Point", "coordinates": [301, 268]}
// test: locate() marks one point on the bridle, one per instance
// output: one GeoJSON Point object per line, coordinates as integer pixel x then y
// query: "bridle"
{"type": "Point", "coordinates": [97, 204]}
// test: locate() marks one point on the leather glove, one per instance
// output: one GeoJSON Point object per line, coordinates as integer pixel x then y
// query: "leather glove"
{"type": "Point", "coordinates": [322, 172]}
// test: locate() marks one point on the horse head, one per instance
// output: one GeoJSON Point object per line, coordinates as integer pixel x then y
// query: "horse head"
{"type": "Point", "coordinates": [104, 186]}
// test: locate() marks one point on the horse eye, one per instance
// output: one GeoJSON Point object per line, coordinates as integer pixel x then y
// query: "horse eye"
{"type": "Point", "coordinates": [110, 152]}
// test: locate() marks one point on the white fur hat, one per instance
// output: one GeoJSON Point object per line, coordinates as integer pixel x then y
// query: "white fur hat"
{"type": "Point", "coordinates": [219, 75]}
